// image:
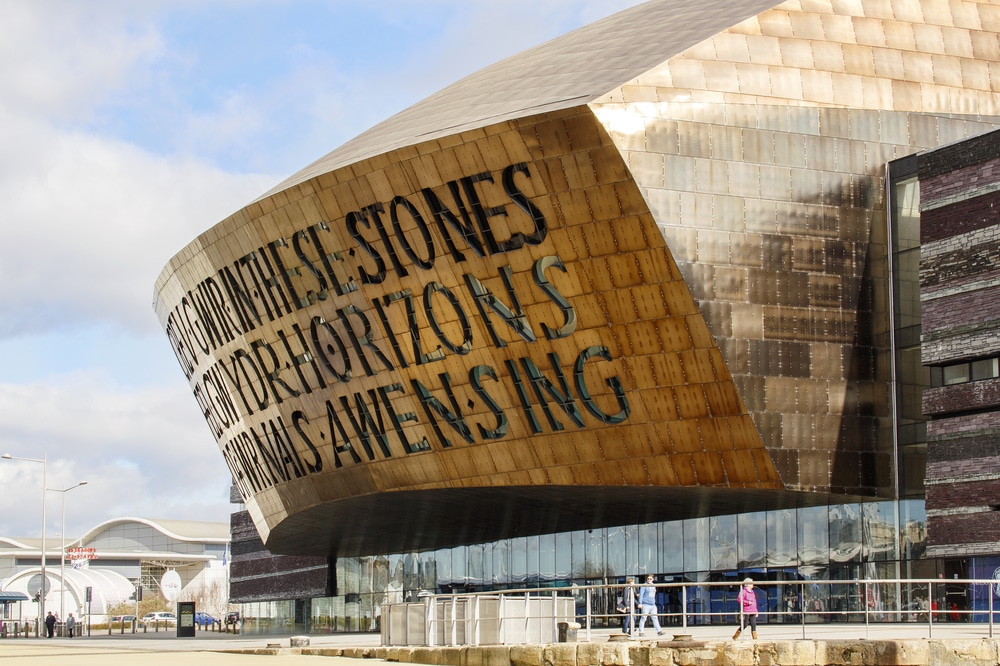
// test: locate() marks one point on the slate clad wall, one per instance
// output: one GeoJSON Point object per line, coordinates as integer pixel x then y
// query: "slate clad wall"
{"type": "Point", "coordinates": [960, 303]}
{"type": "Point", "coordinates": [256, 574]}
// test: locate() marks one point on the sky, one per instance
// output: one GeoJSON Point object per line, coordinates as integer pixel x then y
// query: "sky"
{"type": "Point", "coordinates": [127, 129]}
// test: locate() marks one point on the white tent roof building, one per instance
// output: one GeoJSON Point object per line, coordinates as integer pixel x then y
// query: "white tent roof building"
{"type": "Point", "coordinates": [119, 554]}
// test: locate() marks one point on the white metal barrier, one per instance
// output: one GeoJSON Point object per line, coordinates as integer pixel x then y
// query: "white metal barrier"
{"type": "Point", "coordinates": [532, 615]}
{"type": "Point", "coordinates": [489, 618]}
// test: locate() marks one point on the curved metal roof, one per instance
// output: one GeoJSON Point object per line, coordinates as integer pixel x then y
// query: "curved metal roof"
{"type": "Point", "coordinates": [182, 530]}
{"type": "Point", "coordinates": [20, 543]}
{"type": "Point", "coordinates": [570, 70]}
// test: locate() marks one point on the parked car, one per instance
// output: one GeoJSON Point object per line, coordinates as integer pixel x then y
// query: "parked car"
{"type": "Point", "coordinates": [233, 618]}
{"type": "Point", "coordinates": [203, 619]}
{"type": "Point", "coordinates": [161, 617]}
{"type": "Point", "coordinates": [127, 619]}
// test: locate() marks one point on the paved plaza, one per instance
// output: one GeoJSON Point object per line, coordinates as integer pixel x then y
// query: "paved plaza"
{"type": "Point", "coordinates": [162, 649]}
{"type": "Point", "coordinates": [212, 649]}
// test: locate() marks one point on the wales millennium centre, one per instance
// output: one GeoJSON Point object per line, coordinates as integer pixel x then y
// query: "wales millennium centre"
{"type": "Point", "coordinates": [700, 290]}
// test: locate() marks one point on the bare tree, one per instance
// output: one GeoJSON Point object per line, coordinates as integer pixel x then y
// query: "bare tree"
{"type": "Point", "coordinates": [211, 598]}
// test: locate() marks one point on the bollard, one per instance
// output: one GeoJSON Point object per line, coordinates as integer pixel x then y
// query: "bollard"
{"type": "Point", "coordinates": [568, 631]}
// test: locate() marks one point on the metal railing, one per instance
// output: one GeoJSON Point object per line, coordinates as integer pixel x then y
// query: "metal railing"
{"type": "Point", "coordinates": [510, 616]}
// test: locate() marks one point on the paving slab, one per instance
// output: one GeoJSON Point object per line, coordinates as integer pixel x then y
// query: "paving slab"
{"type": "Point", "coordinates": [218, 649]}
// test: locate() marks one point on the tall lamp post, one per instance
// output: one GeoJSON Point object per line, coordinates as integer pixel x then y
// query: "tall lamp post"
{"type": "Point", "coordinates": [62, 554]}
{"type": "Point", "coordinates": [41, 594]}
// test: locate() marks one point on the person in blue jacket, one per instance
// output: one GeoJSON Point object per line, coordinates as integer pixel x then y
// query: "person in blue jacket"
{"type": "Point", "coordinates": [647, 606]}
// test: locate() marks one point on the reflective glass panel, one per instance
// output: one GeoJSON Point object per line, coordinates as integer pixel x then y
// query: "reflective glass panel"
{"type": "Point", "coordinates": [722, 542]}
{"type": "Point", "coordinates": [956, 374]}
{"type": "Point", "coordinates": [474, 558]}
{"type": "Point", "coordinates": [458, 566]}
{"type": "Point", "coordinates": [906, 218]}
{"type": "Point", "coordinates": [912, 529]}
{"type": "Point", "coordinates": [879, 531]}
{"type": "Point", "coordinates": [672, 547]}
{"type": "Point", "coordinates": [596, 541]}
{"type": "Point", "coordinates": [431, 570]}
{"type": "Point", "coordinates": [752, 534]}
{"type": "Point", "coordinates": [564, 555]}
{"type": "Point", "coordinates": [547, 557]}
{"type": "Point", "coordinates": [617, 564]}
{"type": "Point", "coordinates": [632, 548]}
{"type": "Point", "coordinates": [395, 572]}
{"type": "Point", "coordinates": [985, 369]}
{"type": "Point", "coordinates": [397, 578]}
{"type": "Point", "coordinates": [647, 545]}
{"type": "Point", "coordinates": [410, 572]}
{"type": "Point", "coordinates": [814, 537]}
{"type": "Point", "coordinates": [847, 598]}
{"type": "Point", "coordinates": [578, 550]}
{"type": "Point", "coordinates": [348, 574]}
{"type": "Point", "coordinates": [501, 562]}
{"type": "Point", "coordinates": [845, 533]}
{"type": "Point", "coordinates": [881, 599]}
{"type": "Point", "coordinates": [782, 539]}
{"type": "Point", "coordinates": [518, 560]}
{"type": "Point", "coordinates": [380, 573]}
{"type": "Point", "coordinates": [696, 544]}
{"type": "Point", "coordinates": [323, 619]}
{"type": "Point", "coordinates": [442, 563]}
{"type": "Point", "coordinates": [531, 558]}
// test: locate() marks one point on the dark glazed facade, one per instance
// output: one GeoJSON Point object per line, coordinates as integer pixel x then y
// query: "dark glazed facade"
{"type": "Point", "coordinates": [638, 273]}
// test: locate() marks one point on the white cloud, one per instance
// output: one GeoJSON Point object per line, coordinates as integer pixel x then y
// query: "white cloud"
{"type": "Point", "coordinates": [142, 452]}
{"type": "Point", "coordinates": [60, 60]}
{"type": "Point", "coordinates": [90, 222]}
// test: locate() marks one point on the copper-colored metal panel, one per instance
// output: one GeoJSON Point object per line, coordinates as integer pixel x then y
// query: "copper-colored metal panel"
{"type": "Point", "coordinates": [467, 316]}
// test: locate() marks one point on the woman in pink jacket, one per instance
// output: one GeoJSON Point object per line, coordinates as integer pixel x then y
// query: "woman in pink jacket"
{"type": "Point", "coordinates": [747, 599]}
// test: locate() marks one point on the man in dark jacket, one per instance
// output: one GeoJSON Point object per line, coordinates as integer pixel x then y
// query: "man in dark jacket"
{"type": "Point", "coordinates": [50, 625]}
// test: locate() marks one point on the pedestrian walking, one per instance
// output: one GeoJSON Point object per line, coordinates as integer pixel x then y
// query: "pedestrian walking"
{"type": "Point", "coordinates": [626, 604]}
{"type": "Point", "coordinates": [647, 606]}
{"type": "Point", "coordinates": [747, 599]}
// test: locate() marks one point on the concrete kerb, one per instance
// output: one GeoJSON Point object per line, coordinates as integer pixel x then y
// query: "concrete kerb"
{"type": "Point", "coordinates": [715, 651]}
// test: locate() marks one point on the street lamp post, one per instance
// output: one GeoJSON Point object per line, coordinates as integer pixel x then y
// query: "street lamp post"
{"type": "Point", "coordinates": [62, 553]}
{"type": "Point", "coordinates": [41, 594]}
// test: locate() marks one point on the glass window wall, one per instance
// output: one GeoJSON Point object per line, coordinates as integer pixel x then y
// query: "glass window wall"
{"type": "Point", "coordinates": [844, 543]}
